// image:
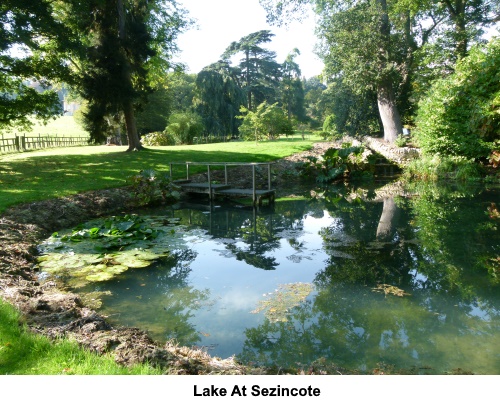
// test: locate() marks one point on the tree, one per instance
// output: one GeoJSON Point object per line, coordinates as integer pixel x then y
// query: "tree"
{"type": "Point", "coordinates": [266, 121]}
{"type": "Point", "coordinates": [259, 71]}
{"type": "Point", "coordinates": [460, 115]}
{"type": "Point", "coordinates": [184, 126]}
{"type": "Point", "coordinates": [125, 45]}
{"type": "Point", "coordinates": [26, 62]}
{"type": "Point", "coordinates": [292, 92]}
{"type": "Point", "coordinates": [357, 45]}
{"type": "Point", "coordinates": [218, 98]}
{"type": "Point", "coordinates": [384, 45]}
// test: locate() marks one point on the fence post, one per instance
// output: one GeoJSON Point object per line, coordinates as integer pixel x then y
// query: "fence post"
{"type": "Point", "coordinates": [253, 184]}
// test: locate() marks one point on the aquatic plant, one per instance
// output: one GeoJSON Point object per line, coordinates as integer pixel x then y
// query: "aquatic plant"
{"type": "Point", "coordinates": [99, 250]}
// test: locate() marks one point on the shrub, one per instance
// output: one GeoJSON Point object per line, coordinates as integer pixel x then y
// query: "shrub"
{"type": "Point", "coordinates": [330, 127]}
{"type": "Point", "coordinates": [334, 163]}
{"type": "Point", "coordinates": [150, 187]}
{"type": "Point", "coordinates": [158, 139]}
{"type": "Point", "coordinates": [461, 114]}
{"type": "Point", "coordinates": [441, 167]}
{"type": "Point", "coordinates": [184, 127]}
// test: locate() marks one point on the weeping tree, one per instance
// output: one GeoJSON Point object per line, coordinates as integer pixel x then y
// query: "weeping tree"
{"type": "Point", "coordinates": [218, 98]}
{"type": "Point", "coordinates": [125, 46]}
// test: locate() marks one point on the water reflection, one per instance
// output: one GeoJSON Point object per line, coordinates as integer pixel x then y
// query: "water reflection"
{"type": "Point", "coordinates": [437, 245]}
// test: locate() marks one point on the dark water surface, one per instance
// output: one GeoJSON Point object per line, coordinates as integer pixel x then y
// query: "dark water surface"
{"type": "Point", "coordinates": [410, 281]}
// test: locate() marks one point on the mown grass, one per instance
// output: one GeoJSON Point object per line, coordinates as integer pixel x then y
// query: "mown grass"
{"type": "Point", "coordinates": [61, 126]}
{"type": "Point", "coordinates": [46, 174]}
{"type": "Point", "coordinates": [25, 353]}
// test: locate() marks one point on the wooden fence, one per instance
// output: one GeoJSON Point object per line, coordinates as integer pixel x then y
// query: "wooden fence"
{"type": "Point", "coordinates": [21, 143]}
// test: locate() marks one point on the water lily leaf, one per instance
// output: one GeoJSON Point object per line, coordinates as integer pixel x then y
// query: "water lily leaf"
{"type": "Point", "coordinates": [103, 248]}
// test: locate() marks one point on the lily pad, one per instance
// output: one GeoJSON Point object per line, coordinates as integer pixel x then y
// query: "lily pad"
{"type": "Point", "coordinates": [101, 249]}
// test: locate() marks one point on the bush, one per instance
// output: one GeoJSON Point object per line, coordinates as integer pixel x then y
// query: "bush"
{"type": "Point", "coordinates": [158, 139]}
{"type": "Point", "coordinates": [439, 167]}
{"type": "Point", "coordinates": [184, 127]}
{"type": "Point", "coordinates": [335, 163]}
{"type": "Point", "coordinates": [461, 114]}
{"type": "Point", "coordinates": [266, 121]}
{"type": "Point", "coordinates": [330, 128]}
{"type": "Point", "coordinates": [150, 187]}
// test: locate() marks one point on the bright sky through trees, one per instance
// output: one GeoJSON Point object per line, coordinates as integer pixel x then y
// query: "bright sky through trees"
{"type": "Point", "coordinates": [221, 22]}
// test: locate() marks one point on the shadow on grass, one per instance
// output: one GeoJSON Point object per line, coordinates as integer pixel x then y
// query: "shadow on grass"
{"type": "Point", "coordinates": [34, 177]}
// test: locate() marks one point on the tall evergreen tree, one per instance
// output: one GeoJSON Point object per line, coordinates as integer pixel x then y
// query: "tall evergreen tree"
{"type": "Point", "coordinates": [124, 44]}
{"type": "Point", "coordinates": [258, 68]}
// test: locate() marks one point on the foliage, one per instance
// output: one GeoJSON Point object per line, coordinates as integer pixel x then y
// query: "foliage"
{"type": "Point", "coordinates": [291, 89]}
{"type": "Point", "coordinates": [461, 114]}
{"type": "Point", "coordinates": [158, 139]}
{"type": "Point", "coordinates": [218, 99]}
{"type": "Point", "coordinates": [266, 121]}
{"type": "Point", "coordinates": [123, 48]}
{"type": "Point", "coordinates": [153, 116]}
{"type": "Point", "coordinates": [334, 163]}
{"type": "Point", "coordinates": [28, 69]}
{"type": "Point", "coordinates": [401, 141]}
{"type": "Point", "coordinates": [330, 127]}
{"type": "Point", "coordinates": [443, 167]}
{"type": "Point", "coordinates": [184, 127]}
{"type": "Point", "coordinates": [150, 187]}
{"type": "Point", "coordinates": [258, 71]}
{"type": "Point", "coordinates": [102, 249]}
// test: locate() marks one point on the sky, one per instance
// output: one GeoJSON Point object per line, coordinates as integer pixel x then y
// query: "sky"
{"type": "Point", "coordinates": [221, 22]}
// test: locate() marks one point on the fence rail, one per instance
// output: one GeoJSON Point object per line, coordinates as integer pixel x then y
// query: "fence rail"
{"type": "Point", "coordinates": [21, 143]}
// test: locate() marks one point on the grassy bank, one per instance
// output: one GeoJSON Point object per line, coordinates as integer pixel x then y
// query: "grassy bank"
{"type": "Point", "coordinates": [22, 353]}
{"type": "Point", "coordinates": [46, 174]}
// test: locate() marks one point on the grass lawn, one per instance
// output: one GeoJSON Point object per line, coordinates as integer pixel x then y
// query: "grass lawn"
{"type": "Point", "coordinates": [61, 126]}
{"type": "Point", "coordinates": [41, 175]}
{"type": "Point", "coordinates": [22, 352]}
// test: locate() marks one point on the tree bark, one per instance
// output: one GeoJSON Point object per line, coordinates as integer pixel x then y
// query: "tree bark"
{"type": "Point", "coordinates": [134, 143]}
{"type": "Point", "coordinates": [389, 113]}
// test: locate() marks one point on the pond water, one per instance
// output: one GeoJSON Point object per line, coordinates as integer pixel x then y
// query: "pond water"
{"type": "Point", "coordinates": [350, 276]}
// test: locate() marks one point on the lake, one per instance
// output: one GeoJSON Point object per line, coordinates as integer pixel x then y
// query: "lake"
{"type": "Point", "coordinates": [363, 277]}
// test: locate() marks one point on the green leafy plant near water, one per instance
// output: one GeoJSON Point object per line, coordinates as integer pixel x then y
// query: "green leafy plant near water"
{"type": "Point", "coordinates": [102, 249]}
{"type": "Point", "coordinates": [151, 187]}
{"type": "Point", "coordinates": [335, 163]}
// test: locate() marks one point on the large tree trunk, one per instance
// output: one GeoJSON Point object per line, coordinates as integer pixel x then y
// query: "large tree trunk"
{"type": "Point", "coordinates": [386, 99]}
{"type": "Point", "coordinates": [134, 143]}
{"type": "Point", "coordinates": [389, 113]}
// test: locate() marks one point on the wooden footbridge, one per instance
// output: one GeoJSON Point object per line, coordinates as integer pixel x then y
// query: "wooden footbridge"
{"type": "Point", "coordinates": [225, 189]}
